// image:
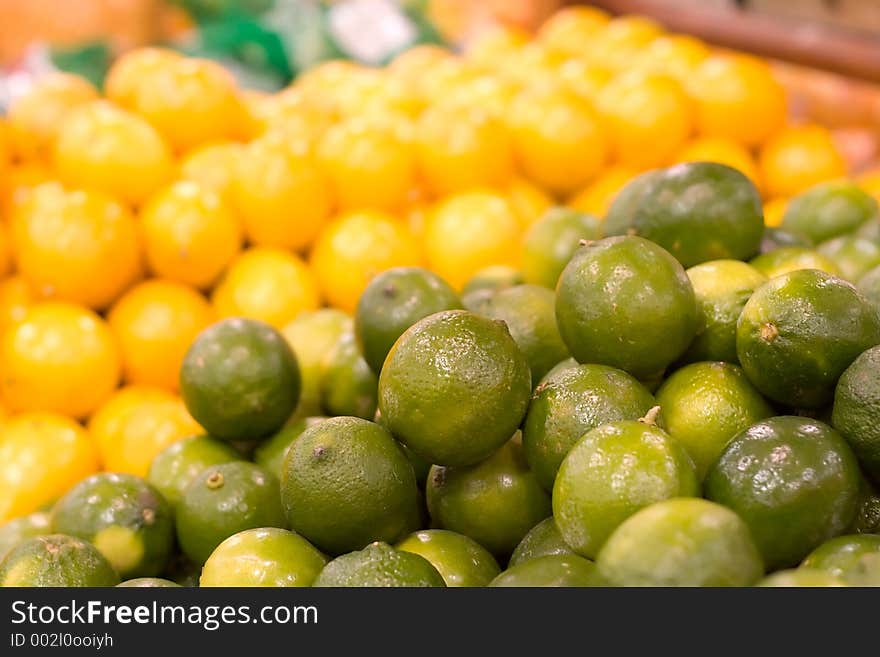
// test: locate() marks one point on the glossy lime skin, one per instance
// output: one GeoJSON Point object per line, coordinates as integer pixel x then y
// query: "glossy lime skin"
{"type": "Point", "coordinates": [700, 211]}
{"type": "Point", "coordinates": [495, 502]}
{"type": "Point", "coordinates": [551, 242]}
{"type": "Point", "coordinates": [839, 555]}
{"type": "Point", "coordinates": [265, 556]}
{"type": "Point", "coordinates": [867, 520]}
{"type": "Point", "coordinates": [612, 472]}
{"type": "Point", "coordinates": [346, 483]}
{"type": "Point", "coordinates": [543, 540]}
{"type": "Point", "coordinates": [15, 531]}
{"type": "Point", "coordinates": [829, 209]}
{"type": "Point", "coordinates": [174, 468]}
{"type": "Point", "coordinates": [793, 480]}
{"type": "Point", "coordinates": [621, 213]}
{"type": "Point", "coordinates": [240, 380]}
{"type": "Point", "coordinates": [270, 453]}
{"type": "Point", "coordinates": [864, 572]}
{"type": "Point", "coordinates": [392, 302]}
{"type": "Point", "coordinates": [777, 238]}
{"type": "Point", "coordinates": [56, 560]}
{"type": "Point", "coordinates": [791, 258]}
{"type": "Point", "coordinates": [380, 565]}
{"type": "Point", "coordinates": [801, 578]}
{"type": "Point", "coordinates": [558, 570]}
{"type": "Point", "coordinates": [627, 303]}
{"type": "Point", "coordinates": [799, 332]}
{"type": "Point", "coordinates": [570, 402]}
{"type": "Point", "coordinates": [869, 286]}
{"type": "Point", "coordinates": [854, 256]}
{"type": "Point", "coordinates": [349, 386]}
{"type": "Point", "coordinates": [856, 411]}
{"type": "Point", "coordinates": [148, 583]}
{"type": "Point", "coordinates": [493, 278]}
{"type": "Point", "coordinates": [126, 518]}
{"type": "Point", "coordinates": [454, 387]}
{"type": "Point", "coordinates": [459, 559]}
{"type": "Point", "coordinates": [705, 405]}
{"type": "Point", "coordinates": [681, 542]}
{"type": "Point", "coordinates": [224, 500]}
{"type": "Point", "coordinates": [722, 288]}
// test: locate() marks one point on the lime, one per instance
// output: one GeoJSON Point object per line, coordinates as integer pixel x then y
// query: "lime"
{"type": "Point", "coordinates": [570, 402]}
{"type": "Point", "coordinates": [625, 302]}
{"type": "Point", "coordinates": [854, 256]}
{"type": "Point", "coordinates": [543, 540]}
{"type": "Point", "coordinates": [240, 380]}
{"type": "Point", "coordinates": [346, 483]}
{"type": "Point", "coordinates": [392, 302]}
{"type": "Point", "coordinates": [722, 288]}
{"type": "Point", "coordinates": [856, 411]}
{"type": "Point", "coordinates": [270, 453]}
{"type": "Point", "coordinates": [621, 213]}
{"type": "Point", "coordinates": [869, 286]}
{"type": "Point", "coordinates": [494, 279]}
{"type": "Point", "coordinates": [495, 502]}
{"type": "Point", "coordinates": [349, 386]}
{"type": "Point", "coordinates": [558, 570]}
{"type": "Point", "coordinates": [56, 560]}
{"type": "Point", "coordinates": [778, 238]}
{"type": "Point", "coordinates": [459, 559]}
{"type": "Point", "coordinates": [612, 472]}
{"type": "Point", "coordinates": [551, 241]}
{"type": "Point", "coordinates": [865, 571]}
{"type": "Point", "coordinates": [148, 583]}
{"type": "Point", "coordinates": [174, 468]}
{"type": "Point", "coordinates": [265, 556]}
{"type": "Point", "coordinates": [801, 577]}
{"type": "Point", "coordinates": [839, 555]}
{"type": "Point", "coordinates": [799, 332]}
{"type": "Point", "coordinates": [870, 230]}
{"type": "Point", "coordinates": [478, 300]}
{"type": "Point", "coordinates": [454, 387]}
{"type": "Point", "coordinates": [681, 542]}
{"type": "Point", "coordinates": [15, 531]}
{"type": "Point", "coordinates": [379, 565]}
{"type": "Point", "coordinates": [794, 481]}
{"type": "Point", "coordinates": [123, 516]}
{"type": "Point", "coordinates": [829, 209]}
{"type": "Point", "coordinates": [792, 258]}
{"type": "Point", "coordinates": [705, 405]}
{"type": "Point", "coordinates": [223, 500]}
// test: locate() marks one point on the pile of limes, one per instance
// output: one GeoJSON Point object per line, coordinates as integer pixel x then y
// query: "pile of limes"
{"type": "Point", "coordinates": [538, 314]}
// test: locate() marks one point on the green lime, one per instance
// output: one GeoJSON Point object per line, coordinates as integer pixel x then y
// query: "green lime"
{"type": "Point", "coordinates": [182, 571]}
{"type": "Point", "coordinates": [794, 481]}
{"type": "Point", "coordinates": [869, 286]}
{"type": "Point", "coordinates": [265, 556]}
{"type": "Point", "coordinates": [349, 386]}
{"type": "Point", "coordinates": [56, 560]}
{"type": "Point", "coordinates": [123, 516]}
{"type": "Point", "coordinates": [312, 335]}
{"type": "Point", "coordinates": [379, 565]}
{"type": "Point", "coordinates": [223, 500]}
{"type": "Point", "coordinates": [777, 238]}
{"type": "Point", "coordinates": [478, 300]}
{"type": "Point", "coordinates": [705, 405]}
{"type": "Point", "coordinates": [551, 241]}
{"type": "Point", "coordinates": [557, 570]}
{"type": "Point", "coordinates": [493, 278]}
{"type": "Point", "coordinates": [495, 502]}
{"type": "Point", "coordinates": [240, 380]}
{"type": "Point", "coordinates": [346, 483]}
{"type": "Point", "coordinates": [839, 555]}
{"type": "Point", "coordinates": [148, 583]}
{"type": "Point", "coordinates": [543, 540]}
{"type": "Point", "coordinates": [801, 578]}
{"type": "Point", "coordinates": [792, 258]}
{"type": "Point", "coordinates": [867, 520]}
{"type": "Point", "coordinates": [392, 302]}
{"type": "Point", "coordinates": [864, 572]}
{"type": "Point", "coordinates": [459, 559]}
{"type": "Point", "coordinates": [621, 213]}
{"type": "Point", "coordinates": [722, 288]}
{"type": "Point", "coordinates": [567, 404]}
{"type": "Point", "coordinates": [870, 230]}
{"type": "Point", "coordinates": [854, 256]}
{"type": "Point", "coordinates": [15, 531]}
{"type": "Point", "coordinates": [455, 387]}
{"type": "Point", "coordinates": [681, 542]}
{"type": "Point", "coordinates": [625, 302]}
{"type": "Point", "coordinates": [174, 468]}
{"type": "Point", "coordinates": [856, 413]}
{"type": "Point", "coordinates": [799, 332]}
{"type": "Point", "coordinates": [612, 472]}
{"type": "Point", "coordinates": [529, 312]}
{"type": "Point", "coordinates": [270, 453]}
{"type": "Point", "coordinates": [829, 209]}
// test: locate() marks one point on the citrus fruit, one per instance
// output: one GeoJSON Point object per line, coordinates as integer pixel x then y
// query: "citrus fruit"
{"type": "Point", "coordinates": [854, 256]}
{"type": "Point", "coordinates": [568, 403]}
{"type": "Point", "coordinates": [148, 582]}
{"type": "Point", "coordinates": [598, 196]}
{"type": "Point", "coordinates": [543, 540]}
{"type": "Point", "coordinates": [58, 357]}
{"type": "Point", "coordinates": [154, 324]}
{"type": "Point", "coordinates": [867, 520]}
{"type": "Point", "coordinates": [792, 258]}
{"type": "Point", "coordinates": [213, 167]}
{"type": "Point", "coordinates": [856, 407]}
{"type": "Point", "coordinates": [798, 157]}
{"type": "Point", "coordinates": [868, 285]}
{"type": "Point", "coordinates": [380, 565]}
{"type": "Point", "coordinates": [778, 238]}
{"type": "Point", "coordinates": [129, 70]}
{"type": "Point", "coordinates": [495, 502]}
{"type": "Point", "coordinates": [705, 405]}
{"type": "Point", "coordinates": [392, 302]}
{"type": "Point", "coordinates": [551, 242]}
{"type": "Point", "coordinates": [223, 500]}
{"type": "Point", "coordinates": [124, 517]}
{"type": "Point", "coordinates": [793, 480]}
{"type": "Point", "coordinates": [722, 151]}
{"type": "Point", "coordinates": [774, 211]}
{"type": "Point", "coordinates": [681, 542]}
{"type": "Point", "coordinates": [15, 531]}
{"type": "Point", "coordinates": [611, 472]}
{"type": "Point", "coordinates": [839, 555]}
{"type": "Point", "coordinates": [240, 380]}
{"type": "Point", "coordinates": [627, 303]}
{"type": "Point", "coordinates": [493, 278]}
{"type": "Point", "coordinates": [722, 288]}
{"type": "Point", "coordinates": [348, 386]}
{"type": "Point", "coordinates": [865, 571]}
{"type": "Point", "coordinates": [528, 201]}
{"type": "Point", "coordinates": [175, 467]}
{"type": "Point", "coordinates": [346, 483]}
{"type": "Point", "coordinates": [799, 332]}
{"type": "Point", "coordinates": [270, 453]}
{"type": "Point", "coordinates": [829, 210]}
{"type": "Point", "coordinates": [620, 43]}
{"type": "Point", "coordinates": [801, 577]}
{"type": "Point", "coordinates": [56, 560]}
{"type": "Point", "coordinates": [454, 387]}
{"type": "Point", "coordinates": [870, 230]}
{"type": "Point", "coordinates": [460, 560]}
{"type": "Point", "coordinates": [266, 556]}
{"type": "Point", "coordinates": [569, 28]}
{"type": "Point", "coordinates": [557, 570]}
{"type": "Point", "coordinates": [620, 215]}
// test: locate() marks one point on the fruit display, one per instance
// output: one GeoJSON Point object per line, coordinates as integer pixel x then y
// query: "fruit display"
{"type": "Point", "coordinates": [573, 308]}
